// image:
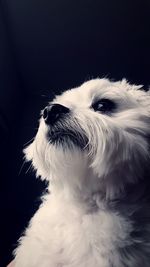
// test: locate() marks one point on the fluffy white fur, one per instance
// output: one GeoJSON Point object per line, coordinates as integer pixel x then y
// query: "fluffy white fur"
{"type": "Point", "coordinates": [79, 223]}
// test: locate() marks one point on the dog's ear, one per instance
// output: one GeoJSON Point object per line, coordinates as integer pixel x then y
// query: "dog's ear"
{"type": "Point", "coordinates": [124, 82]}
{"type": "Point", "coordinates": [145, 100]}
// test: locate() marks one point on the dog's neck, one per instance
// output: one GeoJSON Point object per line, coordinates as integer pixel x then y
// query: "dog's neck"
{"type": "Point", "coordinates": [77, 179]}
{"type": "Point", "coordinates": [84, 183]}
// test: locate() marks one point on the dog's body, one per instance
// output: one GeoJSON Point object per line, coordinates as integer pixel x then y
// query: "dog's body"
{"type": "Point", "coordinates": [92, 146]}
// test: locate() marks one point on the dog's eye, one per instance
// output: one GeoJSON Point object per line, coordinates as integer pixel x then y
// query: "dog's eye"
{"type": "Point", "coordinates": [104, 105]}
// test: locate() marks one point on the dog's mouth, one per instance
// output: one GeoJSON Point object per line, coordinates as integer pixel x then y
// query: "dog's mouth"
{"type": "Point", "coordinates": [66, 137]}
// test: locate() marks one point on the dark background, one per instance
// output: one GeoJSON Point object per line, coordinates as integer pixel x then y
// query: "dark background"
{"type": "Point", "coordinates": [48, 46]}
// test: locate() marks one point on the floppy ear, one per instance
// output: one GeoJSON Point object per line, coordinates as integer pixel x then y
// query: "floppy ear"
{"type": "Point", "coordinates": [124, 82]}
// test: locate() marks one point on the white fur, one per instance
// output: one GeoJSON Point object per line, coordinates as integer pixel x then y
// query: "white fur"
{"type": "Point", "coordinates": [73, 227]}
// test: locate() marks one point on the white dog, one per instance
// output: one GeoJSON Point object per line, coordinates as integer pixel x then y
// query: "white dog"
{"type": "Point", "coordinates": [92, 146]}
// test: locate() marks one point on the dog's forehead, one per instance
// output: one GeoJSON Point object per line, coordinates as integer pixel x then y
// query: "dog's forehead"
{"type": "Point", "coordinates": [121, 92]}
{"type": "Point", "coordinates": [93, 89]}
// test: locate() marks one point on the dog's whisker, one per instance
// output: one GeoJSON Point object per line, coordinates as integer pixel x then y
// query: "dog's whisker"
{"type": "Point", "coordinates": [29, 141]}
{"type": "Point", "coordinates": [28, 168]}
{"type": "Point", "coordinates": [22, 167]}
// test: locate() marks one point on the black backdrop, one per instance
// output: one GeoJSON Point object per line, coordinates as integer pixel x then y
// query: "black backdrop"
{"type": "Point", "coordinates": [48, 46]}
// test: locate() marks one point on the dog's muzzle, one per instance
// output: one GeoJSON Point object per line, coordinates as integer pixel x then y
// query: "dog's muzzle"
{"type": "Point", "coordinates": [61, 129]}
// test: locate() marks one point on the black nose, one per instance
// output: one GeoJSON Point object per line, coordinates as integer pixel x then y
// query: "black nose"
{"type": "Point", "coordinates": [54, 112]}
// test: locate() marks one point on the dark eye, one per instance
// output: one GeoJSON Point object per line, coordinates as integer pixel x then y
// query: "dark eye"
{"type": "Point", "coordinates": [104, 105]}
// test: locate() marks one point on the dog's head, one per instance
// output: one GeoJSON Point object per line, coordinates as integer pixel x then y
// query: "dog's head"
{"type": "Point", "coordinates": [99, 129]}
